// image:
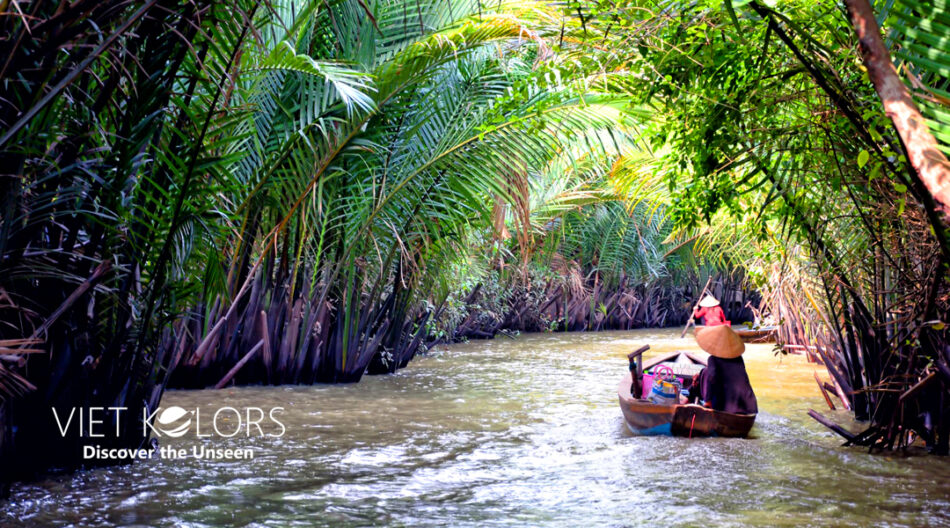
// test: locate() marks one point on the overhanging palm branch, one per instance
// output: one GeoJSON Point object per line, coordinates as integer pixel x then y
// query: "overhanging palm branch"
{"type": "Point", "coordinates": [919, 34]}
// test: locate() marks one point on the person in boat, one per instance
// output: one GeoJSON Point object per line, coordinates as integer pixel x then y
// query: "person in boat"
{"type": "Point", "coordinates": [724, 384]}
{"type": "Point", "coordinates": [710, 311]}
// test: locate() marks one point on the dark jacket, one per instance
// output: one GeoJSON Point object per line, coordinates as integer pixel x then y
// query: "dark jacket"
{"type": "Point", "coordinates": [724, 384]}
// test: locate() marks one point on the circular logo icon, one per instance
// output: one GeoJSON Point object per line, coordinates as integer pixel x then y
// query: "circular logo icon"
{"type": "Point", "coordinates": [170, 416]}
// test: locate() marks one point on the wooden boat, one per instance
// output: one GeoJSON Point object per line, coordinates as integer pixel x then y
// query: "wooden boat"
{"type": "Point", "coordinates": [760, 335]}
{"type": "Point", "coordinates": [644, 417]}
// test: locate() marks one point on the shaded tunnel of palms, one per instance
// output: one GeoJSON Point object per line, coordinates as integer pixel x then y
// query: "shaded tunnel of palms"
{"type": "Point", "coordinates": [335, 186]}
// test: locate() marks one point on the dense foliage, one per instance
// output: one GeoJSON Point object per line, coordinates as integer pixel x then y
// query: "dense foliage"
{"type": "Point", "coordinates": [319, 187]}
{"type": "Point", "coordinates": [296, 180]}
{"type": "Point", "coordinates": [779, 156]}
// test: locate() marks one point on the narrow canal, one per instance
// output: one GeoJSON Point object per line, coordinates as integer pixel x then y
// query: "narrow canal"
{"type": "Point", "coordinates": [508, 432]}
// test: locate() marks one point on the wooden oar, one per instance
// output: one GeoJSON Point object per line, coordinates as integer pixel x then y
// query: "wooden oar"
{"type": "Point", "coordinates": [692, 317]}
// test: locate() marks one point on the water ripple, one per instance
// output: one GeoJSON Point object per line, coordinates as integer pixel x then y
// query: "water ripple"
{"type": "Point", "coordinates": [522, 432]}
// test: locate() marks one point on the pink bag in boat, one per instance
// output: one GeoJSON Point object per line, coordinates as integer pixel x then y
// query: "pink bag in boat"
{"type": "Point", "coordinates": [662, 386]}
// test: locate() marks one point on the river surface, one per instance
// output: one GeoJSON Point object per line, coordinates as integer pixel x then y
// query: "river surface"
{"type": "Point", "coordinates": [508, 432]}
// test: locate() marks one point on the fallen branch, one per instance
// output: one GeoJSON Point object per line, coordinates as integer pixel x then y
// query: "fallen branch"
{"type": "Point", "coordinates": [209, 341]}
{"type": "Point", "coordinates": [234, 370]}
{"type": "Point", "coordinates": [96, 276]}
{"type": "Point", "coordinates": [847, 435]}
{"type": "Point", "coordinates": [919, 386]}
{"type": "Point", "coordinates": [824, 392]}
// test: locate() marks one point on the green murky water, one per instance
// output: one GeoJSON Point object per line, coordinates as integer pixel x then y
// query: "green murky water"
{"type": "Point", "coordinates": [509, 432]}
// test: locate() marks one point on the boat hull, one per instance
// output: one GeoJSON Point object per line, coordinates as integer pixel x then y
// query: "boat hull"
{"type": "Point", "coordinates": [643, 417]}
{"type": "Point", "coordinates": [758, 335]}
{"type": "Point", "coordinates": [766, 334]}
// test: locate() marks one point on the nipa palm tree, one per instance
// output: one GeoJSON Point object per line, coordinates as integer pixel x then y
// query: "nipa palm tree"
{"type": "Point", "coordinates": [359, 188]}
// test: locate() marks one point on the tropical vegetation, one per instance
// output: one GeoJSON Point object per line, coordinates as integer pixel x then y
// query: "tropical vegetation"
{"type": "Point", "coordinates": [296, 191]}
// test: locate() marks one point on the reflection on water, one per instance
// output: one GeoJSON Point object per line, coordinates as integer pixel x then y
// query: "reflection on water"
{"type": "Point", "coordinates": [509, 432]}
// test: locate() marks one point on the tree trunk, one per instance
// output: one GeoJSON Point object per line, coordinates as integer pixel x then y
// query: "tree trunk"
{"type": "Point", "coordinates": [929, 163]}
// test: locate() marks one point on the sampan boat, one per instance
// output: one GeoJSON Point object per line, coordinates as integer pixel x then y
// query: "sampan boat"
{"type": "Point", "coordinates": [644, 417]}
{"type": "Point", "coordinates": [761, 334]}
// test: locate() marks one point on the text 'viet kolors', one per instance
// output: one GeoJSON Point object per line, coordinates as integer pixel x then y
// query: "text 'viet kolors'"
{"type": "Point", "coordinates": [172, 422]}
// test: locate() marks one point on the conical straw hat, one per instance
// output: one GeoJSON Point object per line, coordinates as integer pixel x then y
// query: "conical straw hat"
{"type": "Point", "coordinates": [720, 341]}
{"type": "Point", "coordinates": [708, 301]}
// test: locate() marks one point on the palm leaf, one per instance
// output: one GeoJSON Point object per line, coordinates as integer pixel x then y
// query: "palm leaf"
{"type": "Point", "coordinates": [920, 43]}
